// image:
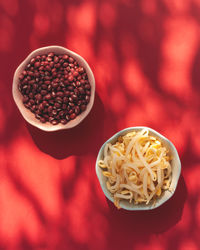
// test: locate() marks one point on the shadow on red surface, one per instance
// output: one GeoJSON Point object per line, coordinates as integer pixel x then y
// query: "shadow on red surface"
{"type": "Point", "coordinates": [145, 58]}
{"type": "Point", "coordinates": [149, 222]}
{"type": "Point", "coordinates": [80, 140]}
{"type": "Point", "coordinates": [155, 221]}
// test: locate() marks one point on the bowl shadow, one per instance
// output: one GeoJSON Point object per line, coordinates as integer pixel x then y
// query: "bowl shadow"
{"type": "Point", "coordinates": [148, 222]}
{"type": "Point", "coordinates": [79, 140]}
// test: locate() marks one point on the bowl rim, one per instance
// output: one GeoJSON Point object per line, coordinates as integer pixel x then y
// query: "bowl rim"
{"type": "Point", "coordinates": [21, 108]}
{"type": "Point", "coordinates": [114, 137]}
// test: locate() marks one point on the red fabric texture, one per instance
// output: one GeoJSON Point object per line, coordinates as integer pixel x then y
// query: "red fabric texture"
{"type": "Point", "coordinates": [145, 56]}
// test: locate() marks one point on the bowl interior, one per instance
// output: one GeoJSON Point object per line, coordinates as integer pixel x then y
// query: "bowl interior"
{"type": "Point", "coordinates": [175, 163]}
{"type": "Point", "coordinates": [27, 114]}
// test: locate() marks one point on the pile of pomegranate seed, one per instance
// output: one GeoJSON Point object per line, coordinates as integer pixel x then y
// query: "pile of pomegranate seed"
{"type": "Point", "coordinates": [55, 88]}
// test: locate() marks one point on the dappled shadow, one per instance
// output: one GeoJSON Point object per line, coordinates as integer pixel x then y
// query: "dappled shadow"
{"type": "Point", "coordinates": [23, 190]}
{"type": "Point", "coordinates": [195, 72]}
{"type": "Point", "coordinates": [12, 54]}
{"type": "Point", "coordinates": [189, 158]}
{"type": "Point", "coordinates": [145, 58]}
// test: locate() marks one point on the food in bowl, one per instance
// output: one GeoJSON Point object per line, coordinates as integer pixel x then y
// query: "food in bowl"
{"type": "Point", "coordinates": [55, 88]}
{"type": "Point", "coordinates": [137, 168]}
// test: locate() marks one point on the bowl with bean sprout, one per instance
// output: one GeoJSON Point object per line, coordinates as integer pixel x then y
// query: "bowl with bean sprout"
{"type": "Point", "coordinates": [138, 169]}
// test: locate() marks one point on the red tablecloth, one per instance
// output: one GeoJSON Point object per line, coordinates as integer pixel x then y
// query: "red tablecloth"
{"type": "Point", "coordinates": [145, 56]}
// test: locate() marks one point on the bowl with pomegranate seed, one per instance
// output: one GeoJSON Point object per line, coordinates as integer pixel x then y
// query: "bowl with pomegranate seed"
{"type": "Point", "coordinates": [54, 88]}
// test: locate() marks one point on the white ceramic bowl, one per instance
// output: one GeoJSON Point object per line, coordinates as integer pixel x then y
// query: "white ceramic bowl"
{"type": "Point", "coordinates": [176, 170]}
{"type": "Point", "coordinates": [27, 114]}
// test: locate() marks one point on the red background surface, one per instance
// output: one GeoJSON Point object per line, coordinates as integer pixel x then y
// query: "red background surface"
{"type": "Point", "coordinates": [145, 56]}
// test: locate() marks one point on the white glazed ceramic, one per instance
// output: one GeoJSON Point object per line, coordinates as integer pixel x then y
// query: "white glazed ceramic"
{"type": "Point", "coordinates": [27, 114]}
{"type": "Point", "coordinates": [176, 170]}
